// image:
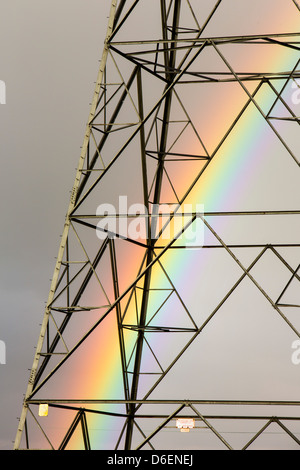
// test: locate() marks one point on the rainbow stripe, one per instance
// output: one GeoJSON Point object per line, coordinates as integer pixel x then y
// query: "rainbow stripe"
{"type": "Point", "coordinates": [227, 183]}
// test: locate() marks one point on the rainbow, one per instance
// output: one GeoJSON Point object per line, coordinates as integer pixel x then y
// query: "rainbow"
{"type": "Point", "coordinates": [243, 159]}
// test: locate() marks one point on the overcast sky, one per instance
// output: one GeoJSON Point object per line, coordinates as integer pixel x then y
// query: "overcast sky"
{"type": "Point", "coordinates": [49, 52]}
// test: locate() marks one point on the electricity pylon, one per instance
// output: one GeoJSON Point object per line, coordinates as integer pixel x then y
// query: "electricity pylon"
{"type": "Point", "coordinates": [175, 293]}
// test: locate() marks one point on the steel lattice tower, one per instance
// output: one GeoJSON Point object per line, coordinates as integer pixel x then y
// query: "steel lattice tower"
{"type": "Point", "coordinates": [187, 309]}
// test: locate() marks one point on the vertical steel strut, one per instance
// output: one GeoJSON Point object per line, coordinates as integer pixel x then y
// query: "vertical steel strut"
{"type": "Point", "coordinates": [170, 58]}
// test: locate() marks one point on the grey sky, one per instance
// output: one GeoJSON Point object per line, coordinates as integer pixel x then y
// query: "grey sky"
{"type": "Point", "coordinates": [49, 55]}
